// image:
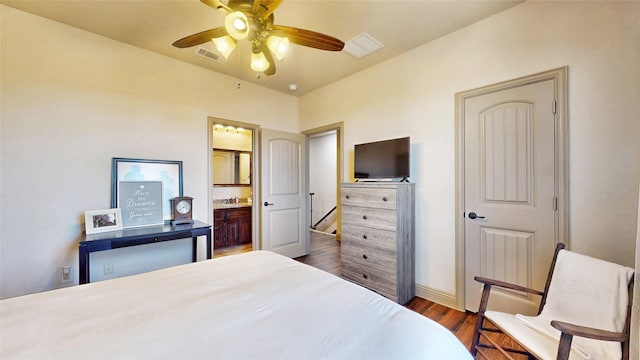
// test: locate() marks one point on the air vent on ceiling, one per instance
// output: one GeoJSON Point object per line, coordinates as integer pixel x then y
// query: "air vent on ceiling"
{"type": "Point", "coordinates": [209, 54]}
{"type": "Point", "coordinates": [362, 45]}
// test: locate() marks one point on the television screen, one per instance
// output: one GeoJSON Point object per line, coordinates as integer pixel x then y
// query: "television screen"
{"type": "Point", "coordinates": [382, 159]}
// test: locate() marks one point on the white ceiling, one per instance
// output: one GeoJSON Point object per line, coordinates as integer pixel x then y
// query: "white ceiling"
{"type": "Point", "coordinates": [400, 25]}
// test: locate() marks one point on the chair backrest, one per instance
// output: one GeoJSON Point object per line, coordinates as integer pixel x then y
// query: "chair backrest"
{"type": "Point", "coordinates": [559, 246]}
{"type": "Point", "coordinates": [627, 330]}
{"type": "Point", "coordinates": [590, 292]}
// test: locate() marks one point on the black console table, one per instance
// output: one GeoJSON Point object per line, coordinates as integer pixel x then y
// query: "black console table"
{"type": "Point", "coordinates": [140, 236]}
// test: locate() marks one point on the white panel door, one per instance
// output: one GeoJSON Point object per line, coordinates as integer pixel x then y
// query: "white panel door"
{"type": "Point", "coordinates": [283, 193]}
{"type": "Point", "coordinates": [510, 199]}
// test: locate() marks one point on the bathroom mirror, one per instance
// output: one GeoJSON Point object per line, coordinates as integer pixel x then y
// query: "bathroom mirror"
{"type": "Point", "coordinates": [231, 168]}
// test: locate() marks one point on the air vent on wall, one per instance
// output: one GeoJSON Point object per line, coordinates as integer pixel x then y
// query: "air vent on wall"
{"type": "Point", "coordinates": [209, 54]}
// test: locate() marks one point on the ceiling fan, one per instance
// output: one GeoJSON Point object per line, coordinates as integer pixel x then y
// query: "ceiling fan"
{"type": "Point", "coordinates": [253, 20]}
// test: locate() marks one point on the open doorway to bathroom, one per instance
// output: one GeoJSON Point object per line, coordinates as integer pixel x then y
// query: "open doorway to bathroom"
{"type": "Point", "coordinates": [233, 178]}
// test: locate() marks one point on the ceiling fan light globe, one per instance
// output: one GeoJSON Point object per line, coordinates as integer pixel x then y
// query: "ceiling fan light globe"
{"type": "Point", "coordinates": [225, 45]}
{"type": "Point", "coordinates": [259, 62]}
{"type": "Point", "coordinates": [237, 25]}
{"type": "Point", "coordinates": [278, 46]}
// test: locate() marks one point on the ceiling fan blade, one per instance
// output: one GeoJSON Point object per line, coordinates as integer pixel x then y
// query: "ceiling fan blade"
{"type": "Point", "coordinates": [272, 64]}
{"type": "Point", "coordinates": [271, 6]}
{"type": "Point", "coordinates": [216, 4]}
{"type": "Point", "coordinates": [308, 38]}
{"type": "Point", "coordinates": [200, 38]}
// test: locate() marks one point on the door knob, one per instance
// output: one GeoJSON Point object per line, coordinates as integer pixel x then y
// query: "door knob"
{"type": "Point", "coordinates": [267, 203]}
{"type": "Point", "coordinates": [473, 215]}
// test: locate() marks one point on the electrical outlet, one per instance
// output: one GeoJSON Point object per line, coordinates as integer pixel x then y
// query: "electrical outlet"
{"type": "Point", "coordinates": [66, 276]}
{"type": "Point", "coordinates": [108, 269]}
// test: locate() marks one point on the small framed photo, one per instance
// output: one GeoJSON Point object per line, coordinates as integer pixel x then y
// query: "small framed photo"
{"type": "Point", "coordinates": [97, 221]}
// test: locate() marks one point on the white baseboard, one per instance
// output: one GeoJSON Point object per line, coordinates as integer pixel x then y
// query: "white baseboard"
{"type": "Point", "coordinates": [437, 296]}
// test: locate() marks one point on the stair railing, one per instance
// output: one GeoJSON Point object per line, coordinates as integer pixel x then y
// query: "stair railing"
{"type": "Point", "coordinates": [324, 217]}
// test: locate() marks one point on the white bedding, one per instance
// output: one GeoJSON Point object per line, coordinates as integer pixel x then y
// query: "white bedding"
{"type": "Point", "coordinates": [256, 305]}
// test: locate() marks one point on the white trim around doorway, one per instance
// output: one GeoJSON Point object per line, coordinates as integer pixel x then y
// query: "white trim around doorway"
{"type": "Point", "coordinates": [559, 77]}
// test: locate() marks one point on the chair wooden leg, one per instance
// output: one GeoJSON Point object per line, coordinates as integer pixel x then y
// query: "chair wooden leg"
{"type": "Point", "coordinates": [564, 347]}
{"type": "Point", "coordinates": [476, 335]}
{"type": "Point", "coordinates": [483, 306]}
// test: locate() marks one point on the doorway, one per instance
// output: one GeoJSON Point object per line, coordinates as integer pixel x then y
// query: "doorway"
{"type": "Point", "coordinates": [232, 179]}
{"type": "Point", "coordinates": [325, 176]}
{"type": "Point", "coordinates": [512, 188]}
{"type": "Point", "coordinates": [322, 191]}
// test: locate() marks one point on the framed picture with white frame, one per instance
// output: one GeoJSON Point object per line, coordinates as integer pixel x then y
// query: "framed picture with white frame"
{"type": "Point", "coordinates": [97, 221]}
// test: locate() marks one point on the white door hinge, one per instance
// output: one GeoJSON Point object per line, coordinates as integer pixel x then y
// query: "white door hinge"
{"type": "Point", "coordinates": [555, 203]}
{"type": "Point", "coordinates": [555, 106]}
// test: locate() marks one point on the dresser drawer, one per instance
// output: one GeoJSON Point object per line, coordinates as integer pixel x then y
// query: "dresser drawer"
{"type": "Point", "coordinates": [372, 278]}
{"type": "Point", "coordinates": [369, 237]}
{"type": "Point", "coordinates": [375, 258]}
{"type": "Point", "coordinates": [381, 198]}
{"type": "Point", "coordinates": [369, 217]}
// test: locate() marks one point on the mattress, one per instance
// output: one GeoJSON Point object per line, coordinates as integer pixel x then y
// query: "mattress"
{"type": "Point", "coordinates": [256, 305]}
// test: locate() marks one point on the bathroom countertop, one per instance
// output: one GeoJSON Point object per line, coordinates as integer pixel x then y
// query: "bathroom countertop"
{"type": "Point", "coordinates": [231, 206]}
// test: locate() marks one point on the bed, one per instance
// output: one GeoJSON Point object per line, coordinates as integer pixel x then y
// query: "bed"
{"type": "Point", "coordinates": [256, 305]}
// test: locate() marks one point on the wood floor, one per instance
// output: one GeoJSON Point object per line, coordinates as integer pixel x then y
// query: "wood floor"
{"type": "Point", "coordinates": [230, 250]}
{"type": "Point", "coordinates": [324, 253]}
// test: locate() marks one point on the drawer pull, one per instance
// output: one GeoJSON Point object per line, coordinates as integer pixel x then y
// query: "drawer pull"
{"type": "Point", "coordinates": [364, 256]}
{"type": "Point", "coordinates": [347, 196]}
{"type": "Point", "coordinates": [364, 236]}
{"type": "Point", "coordinates": [364, 217]}
{"type": "Point", "coordinates": [384, 198]}
{"type": "Point", "coordinates": [365, 276]}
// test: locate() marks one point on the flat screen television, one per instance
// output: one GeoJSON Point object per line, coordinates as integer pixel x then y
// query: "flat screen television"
{"type": "Point", "coordinates": [387, 159]}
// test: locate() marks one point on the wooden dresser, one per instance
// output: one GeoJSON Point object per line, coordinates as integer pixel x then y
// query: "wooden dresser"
{"type": "Point", "coordinates": [378, 245]}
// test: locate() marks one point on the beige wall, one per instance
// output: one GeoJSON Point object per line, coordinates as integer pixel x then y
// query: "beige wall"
{"type": "Point", "coordinates": [72, 100]}
{"type": "Point", "coordinates": [232, 140]}
{"type": "Point", "coordinates": [413, 94]}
